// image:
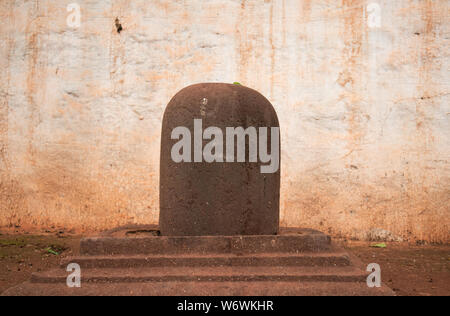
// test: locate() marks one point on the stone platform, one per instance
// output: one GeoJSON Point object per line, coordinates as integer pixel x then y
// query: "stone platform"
{"type": "Point", "coordinates": [139, 262]}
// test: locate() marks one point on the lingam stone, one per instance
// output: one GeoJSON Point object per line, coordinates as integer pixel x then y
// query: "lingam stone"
{"type": "Point", "coordinates": [219, 170]}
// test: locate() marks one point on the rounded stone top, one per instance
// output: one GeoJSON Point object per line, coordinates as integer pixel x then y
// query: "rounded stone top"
{"type": "Point", "coordinates": [237, 100]}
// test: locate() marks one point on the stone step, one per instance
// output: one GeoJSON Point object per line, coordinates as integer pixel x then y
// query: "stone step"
{"type": "Point", "coordinates": [262, 288]}
{"type": "Point", "coordinates": [301, 241]}
{"type": "Point", "coordinates": [138, 261]}
{"type": "Point", "coordinates": [208, 274]}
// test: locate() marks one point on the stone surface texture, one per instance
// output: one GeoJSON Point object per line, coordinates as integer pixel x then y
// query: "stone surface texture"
{"type": "Point", "coordinates": [364, 112]}
{"type": "Point", "coordinates": [218, 198]}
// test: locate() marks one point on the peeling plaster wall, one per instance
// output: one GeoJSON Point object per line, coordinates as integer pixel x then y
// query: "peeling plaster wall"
{"type": "Point", "coordinates": [364, 112]}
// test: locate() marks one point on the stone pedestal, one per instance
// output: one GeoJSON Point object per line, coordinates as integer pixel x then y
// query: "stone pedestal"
{"type": "Point", "coordinates": [234, 201]}
{"type": "Point", "coordinates": [139, 262]}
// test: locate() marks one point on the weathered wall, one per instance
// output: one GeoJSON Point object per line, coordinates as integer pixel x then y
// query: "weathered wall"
{"type": "Point", "coordinates": [364, 112]}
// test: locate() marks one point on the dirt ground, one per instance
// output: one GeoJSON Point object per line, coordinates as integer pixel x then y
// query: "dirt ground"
{"type": "Point", "coordinates": [410, 270]}
{"type": "Point", "coordinates": [21, 255]}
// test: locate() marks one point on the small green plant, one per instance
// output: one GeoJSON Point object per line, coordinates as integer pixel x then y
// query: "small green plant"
{"type": "Point", "coordinates": [55, 249]}
{"type": "Point", "coordinates": [382, 245]}
{"type": "Point", "coordinates": [236, 83]}
{"type": "Point", "coordinates": [51, 251]}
